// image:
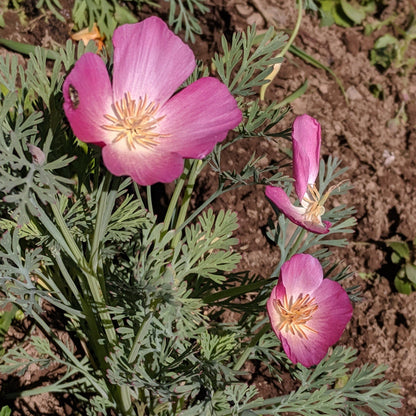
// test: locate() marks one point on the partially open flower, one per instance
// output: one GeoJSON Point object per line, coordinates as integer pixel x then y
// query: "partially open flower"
{"type": "Point", "coordinates": [306, 139]}
{"type": "Point", "coordinates": [307, 313]}
{"type": "Point", "coordinates": [146, 131]}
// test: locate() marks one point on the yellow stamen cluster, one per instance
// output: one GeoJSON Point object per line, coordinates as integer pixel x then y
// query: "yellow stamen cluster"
{"type": "Point", "coordinates": [295, 315]}
{"type": "Point", "coordinates": [314, 204]}
{"type": "Point", "coordinates": [135, 122]}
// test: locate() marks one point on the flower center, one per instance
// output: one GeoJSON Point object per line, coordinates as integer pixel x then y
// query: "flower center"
{"type": "Point", "coordinates": [295, 315]}
{"type": "Point", "coordinates": [135, 122]}
{"type": "Point", "coordinates": [314, 204]}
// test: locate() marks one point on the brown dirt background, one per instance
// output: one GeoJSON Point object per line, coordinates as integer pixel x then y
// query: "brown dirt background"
{"type": "Point", "coordinates": [381, 157]}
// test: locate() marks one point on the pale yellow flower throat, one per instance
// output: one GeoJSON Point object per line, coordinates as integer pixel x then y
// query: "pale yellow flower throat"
{"type": "Point", "coordinates": [295, 315]}
{"type": "Point", "coordinates": [314, 203]}
{"type": "Point", "coordinates": [135, 122]}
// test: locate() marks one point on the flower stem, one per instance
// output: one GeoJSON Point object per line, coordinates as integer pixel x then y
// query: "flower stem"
{"type": "Point", "coordinates": [281, 54]}
{"type": "Point", "coordinates": [196, 166]}
{"type": "Point", "coordinates": [106, 200]}
{"type": "Point", "coordinates": [215, 195]}
{"type": "Point", "coordinates": [64, 238]}
{"type": "Point", "coordinates": [139, 197]}
{"type": "Point", "coordinates": [244, 356]}
{"type": "Point", "coordinates": [71, 246]}
{"type": "Point", "coordinates": [285, 254]}
{"type": "Point", "coordinates": [149, 199]}
{"type": "Point", "coordinates": [96, 282]}
{"type": "Point", "coordinates": [69, 355]}
{"type": "Point", "coordinates": [92, 271]}
{"type": "Point", "coordinates": [233, 292]}
{"type": "Point", "coordinates": [295, 30]}
{"type": "Point", "coordinates": [296, 245]}
{"type": "Point", "coordinates": [175, 197]}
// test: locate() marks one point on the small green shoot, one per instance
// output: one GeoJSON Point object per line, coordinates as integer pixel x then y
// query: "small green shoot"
{"type": "Point", "coordinates": [377, 91]}
{"type": "Point", "coordinates": [5, 411]}
{"type": "Point", "coordinates": [384, 51]}
{"type": "Point", "coordinates": [345, 13]}
{"type": "Point", "coordinates": [390, 50]}
{"type": "Point", "coordinates": [404, 255]}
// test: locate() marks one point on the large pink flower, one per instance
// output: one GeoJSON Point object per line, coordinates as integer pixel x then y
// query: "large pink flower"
{"type": "Point", "coordinates": [144, 128]}
{"type": "Point", "coordinates": [306, 139]}
{"type": "Point", "coordinates": [307, 313]}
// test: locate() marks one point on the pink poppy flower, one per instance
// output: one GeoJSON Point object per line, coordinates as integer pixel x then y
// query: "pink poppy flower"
{"type": "Point", "coordinates": [307, 312]}
{"type": "Point", "coordinates": [144, 128]}
{"type": "Point", "coordinates": [306, 139]}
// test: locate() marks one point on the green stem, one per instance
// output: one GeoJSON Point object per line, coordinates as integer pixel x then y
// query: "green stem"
{"type": "Point", "coordinates": [92, 273]}
{"type": "Point", "coordinates": [91, 277]}
{"type": "Point", "coordinates": [60, 238]}
{"type": "Point", "coordinates": [139, 338]}
{"type": "Point", "coordinates": [105, 203]}
{"type": "Point", "coordinates": [286, 101]}
{"type": "Point", "coordinates": [195, 170]}
{"type": "Point", "coordinates": [67, 277]}
{"type": "Point", "coordinates": [312, 61]}
{"type": "Point", "coordinates": [64, 384]}
{"type": "Point", "coordinates": [68, 353]}
{"type": "Point", "coordinates": [281, 54]}
{"type": "Point", "coordinates": [175, 197]}
{"type": "Point", "coordinates": [96, 281]}
{"type": "Point", "coordinates": [65, 240]}
{"type": "Point", "coordinates": [236, 291]}
{"type": "Point", "coordinates": [296, 245]}
{"type": "Point", "coordinates": [27, 49]}
{"type": "Point", "coordinates": [149, 199]}
{"type": "Point", "coordinates": [295, 31]}
{"type": "Point", "coordinates": [285, 255]}
{"type": "Point", "coordinates": [61, 388]}
{"type": "Point", "coordinates": [250, 346]}
{"type": "Point", "coordinates": [215, 195]}
{"type": "Point", "coordinates": [139, 197]}
{"type": "Point", "coordinates": [76, 252]}
{"type": "Point", "coordinates": [91, 323]}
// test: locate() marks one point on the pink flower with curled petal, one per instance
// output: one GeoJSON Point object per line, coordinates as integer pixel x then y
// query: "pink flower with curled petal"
{"type": "Point", "coordinates": [144, 128]}
{"type": "Point", "coordinates": [306, 140]}
{"type": "Point", "coordinates": [307, 312]}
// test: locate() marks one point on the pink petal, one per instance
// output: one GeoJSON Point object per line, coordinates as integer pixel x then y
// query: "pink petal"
{"type": "Point", "coordinates": [295, 214]}
{"type": "Point", "coordinates": [308, 351]}
{"type": "Point", "coordinates": [301, 274]}
{"type": "Point", "coordinates": [306, 139]}
{"type": "Point", "coordinates": [198, 117]}
{"type": "Point", "coordinates": [89, 86]}
{"type": "Point", "coordinates": [330, 319]}
{"type": "Point", "coordinates": [333, 313]}
{"type": "Point", "coordinates": [144, 166]}
{"type": "Point", "coordinates": [149, 59]}
{"type": "Point", "coordinates": [278, 292]}
{"type": "Point", "coordinates": [300, 170]}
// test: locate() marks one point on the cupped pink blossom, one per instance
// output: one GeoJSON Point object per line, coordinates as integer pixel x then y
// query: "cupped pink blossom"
{"type": "Point", "coordinates": [306, 142]}
{"type": "Point", "coordinates": [145, 129]}
{"type": "Point", "coordinates": [307, 312]}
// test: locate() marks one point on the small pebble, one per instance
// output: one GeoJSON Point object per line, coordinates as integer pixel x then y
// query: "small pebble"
{"type": "Point", "coordinates": [255, 18]}
{"type": "Point", "coordinates": [244, 9]}
{"type": "Point", "coordinates": [353, 94]}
